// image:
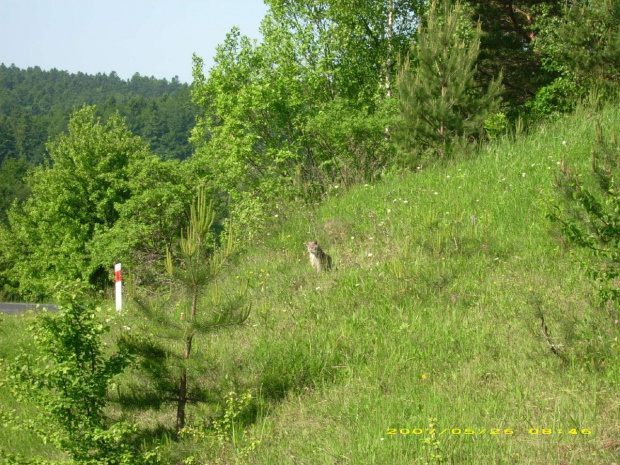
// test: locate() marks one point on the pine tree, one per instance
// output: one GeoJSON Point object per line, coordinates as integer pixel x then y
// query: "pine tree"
{"type": "Point", "coordinates": [439, 97]}
{"type": "Point", "coordinates": [175, 317]}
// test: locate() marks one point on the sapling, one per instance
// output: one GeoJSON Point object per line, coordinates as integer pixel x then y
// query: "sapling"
{"type": "Point", "coordinates": [176, 315]}
{"type": "Point", "coordinates": [67, 379]}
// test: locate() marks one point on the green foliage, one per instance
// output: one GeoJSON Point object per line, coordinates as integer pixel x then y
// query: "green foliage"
{"type": "Point", "coordinates": [304, 108]}
{"type": "Point", "coordinates": [432, 445]}
{"type": "Point", "coordinates": [163, 122]}
{"type": "Point", "coordinates": [223, 429]}
{"type": "Point", "coordinates": [509, 31]}
{"type": "Point", "coordinates": [355, 143]}
{"type": "Point", "coordinates": [165, 339]}
{"type": "Point", "coordinates": [104, 197]}
{"type": "Point", "coordinates": [240, 148]}
{"type": "Point", "coordinates": [36, 106]}
{"type": "Point", "coordinates": [235, 405]}
{"type": "Point", "coordinates": [589, 216]}
{"type": "Point", "coordinates": [68, 380]}
{"type": "Point", "coordinates": [559, 96]}
{"type": "Point", "coordinates": [439, 100]}
{"type": "Point", "coordinates": [495, 125]}
{"type": "Point", "coordinates": [149, 220]}
{"type": "Point", "coordinates": [12, 184]}
{"type": "Point", "coordinates": [579, 50]}
{"type": "Point", "coordinates": [456, 264]}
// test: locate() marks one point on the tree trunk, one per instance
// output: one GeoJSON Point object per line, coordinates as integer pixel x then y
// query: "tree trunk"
{"type": "Point", "coordinates": [195, 291]}
{"type": "Point", "coordinates": [182, 401]}
{"type": "Point", "coordinates": [183, 386]}
{"type": "Point", "coordinates": [388, 63]}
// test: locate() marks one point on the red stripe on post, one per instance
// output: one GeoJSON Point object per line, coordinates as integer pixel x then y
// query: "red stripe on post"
{"type": "Point", "coordinates": [117, 276]}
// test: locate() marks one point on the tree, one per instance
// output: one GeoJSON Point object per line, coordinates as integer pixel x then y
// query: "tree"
{"type": "Point", "coordinates": [510, 30]}
{"type": "Point", "coordinates": [36, 105]}
{"type": "Point", "coordinates": [64, 231]}
{"type": "Point", "coordinates": [12, 184]}
{"type": "Point", "coordinates": [175, 317]}
{"type": "Point", "coordinates": [69, 379]}
{"type": "Point", "coordinates": [305, 108]}
{"type": "Point", "coordinates": [580, 51]}
{"type": "Point", "coordinates": [439, 98]}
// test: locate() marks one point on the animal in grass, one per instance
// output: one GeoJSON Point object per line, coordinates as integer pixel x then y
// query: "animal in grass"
{"type": "Point", "coordinates": [318, 259]}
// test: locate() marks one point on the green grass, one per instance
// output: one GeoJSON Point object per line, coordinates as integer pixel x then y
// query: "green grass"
{"type": "Point", "coordinates": [428, 315]}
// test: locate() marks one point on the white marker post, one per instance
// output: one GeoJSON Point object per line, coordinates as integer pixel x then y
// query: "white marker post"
{"type": "Point", "coordinates": [119, 286]}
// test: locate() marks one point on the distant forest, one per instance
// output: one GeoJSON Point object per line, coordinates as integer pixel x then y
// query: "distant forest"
{"type": "Point", "coordinates": [35, 107]}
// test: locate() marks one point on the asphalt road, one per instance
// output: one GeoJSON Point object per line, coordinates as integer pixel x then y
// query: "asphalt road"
{"type": "Point", "coordinates": [11, 309]}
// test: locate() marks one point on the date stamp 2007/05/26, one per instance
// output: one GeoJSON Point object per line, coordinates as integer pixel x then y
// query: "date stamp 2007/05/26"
{"type": "Point", "coordinates": [489, 431]}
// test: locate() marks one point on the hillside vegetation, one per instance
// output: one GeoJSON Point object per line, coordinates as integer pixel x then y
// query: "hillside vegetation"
{"type": "Point", "coordinates": [459, 161]}
{"type": "Point", "coordinates": [36, 105]}
{"type": "Point", "coordinates": [450, 290]}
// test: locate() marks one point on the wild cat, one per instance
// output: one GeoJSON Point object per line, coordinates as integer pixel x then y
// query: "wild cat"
{"type": "Point", "coordinates": [318, 259]}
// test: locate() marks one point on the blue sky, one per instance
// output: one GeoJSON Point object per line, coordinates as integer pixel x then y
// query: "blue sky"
{"type": "Point", "coordinates": [150, 37]}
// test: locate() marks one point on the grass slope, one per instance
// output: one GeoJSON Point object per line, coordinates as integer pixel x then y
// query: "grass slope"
{"type": "Point", "coordinates": [431, 314]}
{"type": "Point", "coordinates": [429, 327]}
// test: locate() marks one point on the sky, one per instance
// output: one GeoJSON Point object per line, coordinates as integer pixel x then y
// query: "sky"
{"type": "Point", "coordinates": [151, 37]}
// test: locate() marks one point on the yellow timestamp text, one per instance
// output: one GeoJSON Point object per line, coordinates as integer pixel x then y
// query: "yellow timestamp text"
{"type": "Point", "coordinates": [490, 431]}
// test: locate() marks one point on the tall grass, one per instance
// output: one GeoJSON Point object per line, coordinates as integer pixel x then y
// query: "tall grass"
{"type": "Point", "coordinates": [450, 291]}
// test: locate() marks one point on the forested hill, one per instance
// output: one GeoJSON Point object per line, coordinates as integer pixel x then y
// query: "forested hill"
{"type": "Point", "coordinates": [35, 106]}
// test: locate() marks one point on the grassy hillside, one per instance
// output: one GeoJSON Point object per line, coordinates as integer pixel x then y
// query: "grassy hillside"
{"type": "Point", "coordinates": [431, 321]}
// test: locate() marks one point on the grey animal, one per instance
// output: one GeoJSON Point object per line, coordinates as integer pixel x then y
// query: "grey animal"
{"type": "Point", "coordinates": [318, 259]}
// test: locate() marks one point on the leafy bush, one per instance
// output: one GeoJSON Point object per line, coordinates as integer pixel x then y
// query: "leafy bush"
{"type": "Point", "coordinates": [68, 381]}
